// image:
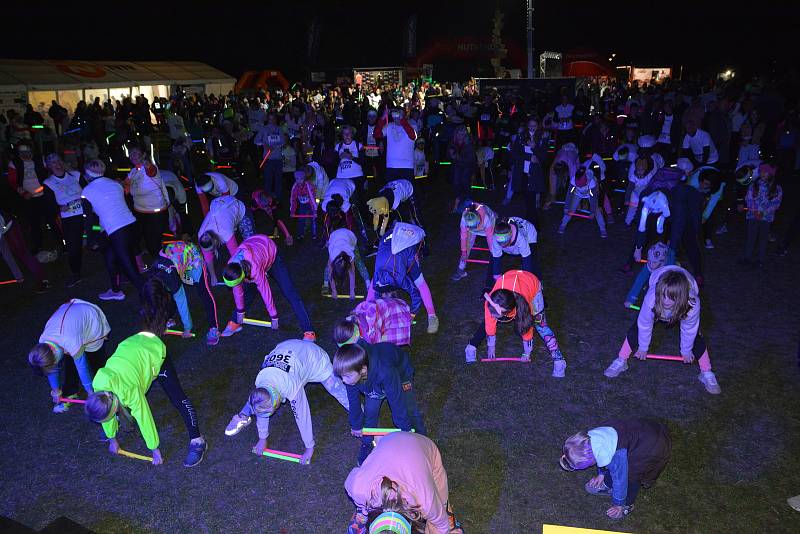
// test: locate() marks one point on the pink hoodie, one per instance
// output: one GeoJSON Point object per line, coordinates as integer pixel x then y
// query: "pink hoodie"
{"type": "Point", "coordinates": [689, 325]}
{"type": "Point", "coordinates": [260, 251]}
{"type": "Point", "coordinates": [414, 463]}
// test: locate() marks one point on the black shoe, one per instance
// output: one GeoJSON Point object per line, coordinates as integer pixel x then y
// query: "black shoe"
{"type": "Point", "coordinates": [364, 452]}
{"type": "Point", "coordinates": [197, 452]}
{"type": "Point", "coordinates": [73, 280]}
{"type": "Point", "coordinates": [44, 287]}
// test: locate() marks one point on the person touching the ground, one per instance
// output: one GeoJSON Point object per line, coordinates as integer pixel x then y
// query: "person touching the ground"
{"type": "Point", "coordinates": [261, 201]}
{"type": "Point", "coordinates": [180, 264]}
{"type": "Point", "coordinates": [284, 374]}
{"type": "Point", "coordinates": [255, 259]}
{"type": "Point", "coordinates": [400, 485]}
{"type": "Point", "coordinates": [120, 388]}
{"type": "Point", "coordinates": [562, 170]}
{"type": "Point", "coordinates": [384, 320]}
{"type": "Point", "coordinates": [225, 217]}
{"type": "Point", "coordinates": [584, 186]}
{"type": "Point", "coordinates": [77, 329]}
{"type": "Point", "coordinates": [672, 298]}
{"type": "Point", "coordinates": [476, 220]}
{"type": "Point", "coordinates": [517, 296]}
{"type": "Point", "coordinates": [343, 259]}
{"type": "Point", "coordinates": [395, 202]}
{"type": "Point", "coordinates": [380, 371]}
{"type": "Point", "coordinates": [397, 266]}
{"type": "Point", "coordinates": [629, 454]}
{"type": "Point", "coordinates": [517, 237]}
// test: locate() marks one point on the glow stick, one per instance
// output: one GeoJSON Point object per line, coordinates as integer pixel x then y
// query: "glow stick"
{"type": "Point", "coordinates": [485, 262]}
{"type": "Point", "coordinates": [619, 190]}
{"type": "Point", "coordinates": [167, 235]}
{"type": "Point", "coordinates": [558, 202]}
{"type": "Point", "coordinates": [6, 282]}
{"type": "Point", "coordinates": [223, 167]}
{"type": "Point", "coordinates": [523, 360]}
{"type": "Point", "coordinates": [581, 215]}
{"type": "Point", "coordinates": [420, 176]}
{"type": "Point", "coordinates": [664, 357]}
{"type": "Point", "coordinates": [38, 126]}
{"type": "Point", "coordinates": [479, 248]}
{"type": "Point", "coordinates": [256, 322]}
{"type": "Point", "coordinates": [134, 455]}
{"type": "Point", "coordinates": [445, 163]}
{"type": "Point", "coordinates": [169, 242]}
{"type": "Point", "coordinates": [171, 332]}
{"type": "Point", "coordinates": [97, 228]}
{"type": "Point", "coordinates": [75, 401]}
{"type": "Point", "coordinates": [279, 455]}
{"type": "Point", "coordinates": [477, 187]}
{"type": "Point", "coordinates": [345, 296]}
{"type": "Point", "coordinates": [634, 307]}
{"type": "Point", "coordinates": [641, 261]}
{"type": "Point", "coordinates": [124, 169]}
{"type": "Point", "coordinates": [309, 216]}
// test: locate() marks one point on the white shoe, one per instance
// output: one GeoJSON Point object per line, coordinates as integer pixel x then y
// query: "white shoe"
{"type": "Point", "coordinates": [617, 367]}
{"type": "Point", "coordinates": [238, 422]}
{"type": "Point", "coordinates": [559, 366]}
{"type": "Point", "coordinates": [433, 324]}
{"type": "Point", "coordinates": [709, 244]}
{"type": "Point", "coordinates": [471, 353]}
{"type": "Point", "coordinates": [111, 295]}
{"type": "Point", "coordinates": [708, 379]}
{"type": "Point", "coordinates": [61, 407]}
{"type": "Point", "coordinates": [458, 275]}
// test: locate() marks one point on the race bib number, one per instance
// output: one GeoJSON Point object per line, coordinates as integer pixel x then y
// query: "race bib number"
{"type": "Point", "coordinates": [303, 199]}
{"type": "Point", "coordinates": [273, 139]}
{"type": "Point", "coordinates": [486, 117]}
{"type": "Point", "coordinates": [280, 361]}
{"type": "Point", "coordinates": [73, 207]}
{"type": "Point", "coordinates": [371, 152]}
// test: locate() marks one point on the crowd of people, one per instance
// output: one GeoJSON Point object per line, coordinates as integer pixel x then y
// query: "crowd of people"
{"type": "Point", "coordinates": [206, 191]}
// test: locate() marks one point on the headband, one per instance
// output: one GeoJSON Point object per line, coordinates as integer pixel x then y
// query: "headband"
{"type": "Point", "coordinates": [233, 283]}
{"type": "Point", "coordinates": [390, 522]}
{"type": "Point", "coordinates": [493, 304]}
{"type": "Point", "coordinates": [352, 339]}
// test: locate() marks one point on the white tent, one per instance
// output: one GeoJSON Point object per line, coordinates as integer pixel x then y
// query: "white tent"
{"type": "Point", "coordinates": [68, 82]}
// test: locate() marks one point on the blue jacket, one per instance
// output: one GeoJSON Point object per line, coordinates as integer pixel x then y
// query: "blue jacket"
{"type": "Point", "coordinates": [388, 368]}
{"type": "Point", "coordinates": [398, 270]}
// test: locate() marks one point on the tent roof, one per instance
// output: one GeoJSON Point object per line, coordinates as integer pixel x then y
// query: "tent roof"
{"type": "Point", "coordinates": [586, 68]}
{"type": "Point", "coordinates": [69, 74]}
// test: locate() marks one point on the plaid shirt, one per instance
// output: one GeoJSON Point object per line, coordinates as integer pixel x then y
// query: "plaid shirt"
{"type": "Point", "coordinates": [385, 320]}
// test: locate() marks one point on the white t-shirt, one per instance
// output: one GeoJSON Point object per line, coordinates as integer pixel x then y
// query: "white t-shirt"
{"type": "Point", "coordinates": [224, 215]}
{"type": "Point", "coordinates": [564, 116]}
{"type": "Point", "coordinates": [222, 184]}
{"type": "Point", "coordinates": [340, 186]}
{"type": "Point", "coordinates": [349, 169]}
{"type": "Point", "coordinates": [68, 193]}
{"type": "Point", "coordinates": [402, 189]}
{"type": "Point", "coordinates": [77, 324]}
{"type": "Point", "coordinates": [666, 126]}
{"type": "Point", "coordinates": [697, 143]}
{"type": "Point", "coordinates": [526, 234]}
{"type": "Point", "coordinates": [172, 181]}
{"type": "Point", "coordinates": [320, 179]}
{"type": "Point", "coordinates": [341, 240]}
{"type": "Point", "coordinates": [419, 162]}
{"type": "Point", "coordinates": [353, 146]}
{"type": "Point", "coordinates": [149, 192]}
{"type": "Point", "coordinates": [176, 126]}
{"type": "Point", "coordinates": [107, 198]}
{"type": "Point", "coordinates": [399, 147]}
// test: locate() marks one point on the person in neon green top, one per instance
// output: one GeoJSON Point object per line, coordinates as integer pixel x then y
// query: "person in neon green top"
{"type": "Point", "coordinates": [121, 386]}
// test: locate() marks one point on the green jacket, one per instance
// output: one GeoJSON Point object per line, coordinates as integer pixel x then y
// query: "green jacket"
{"type": "Point", "coordinates": [128, 374]}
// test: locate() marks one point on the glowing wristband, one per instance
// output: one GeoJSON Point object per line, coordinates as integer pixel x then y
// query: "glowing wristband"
{"type": "Point", "coordinates": [234, 283]}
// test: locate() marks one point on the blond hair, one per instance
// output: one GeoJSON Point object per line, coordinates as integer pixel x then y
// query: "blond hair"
{"type": "Point", "coordinates": [41, 356]}
{"type": "Point", "coordinates": [578, 451]}
{"type": "Point", "coordinates": [675, 286]}
{"type": "Point", "coordinates": [391, 499]}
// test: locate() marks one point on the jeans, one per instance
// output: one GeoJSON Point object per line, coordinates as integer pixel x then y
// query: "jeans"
{"type": "Point", "coordinates": [280, 274]}
{"type": "Point", "coordinates": [757, 233]}
{"type": "Point", "coordinates": [119, 256]}
{"type": "Point", "coordinates": [273, 177]}
{"type": "Point", "coordinates": [38, 213]}
{"type": "Point", "coordinates": [303, 211]}
{"type": "Point", "coordinates": [372, 410]}
{"type": "Point", "coordinates": [168, 379]}
{"type": "Point", "coordinates": [73, 235]}
{"type": "Point", "coordinates": [638, 284]}
{"type": "Point", "coordinates": [633, 487]}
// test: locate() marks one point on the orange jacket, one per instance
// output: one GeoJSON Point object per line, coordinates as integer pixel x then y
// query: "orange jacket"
{"type": "Point", "coordinates": [522, 282]}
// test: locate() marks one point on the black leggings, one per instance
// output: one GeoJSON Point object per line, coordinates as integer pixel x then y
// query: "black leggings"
{"type": "Point", "coordinates": [168, 379]}
{"type": "Point", "coordinates": [152, 226]}
{"type": "Point", "coordinates": [73, 236]}
{"type": "Point", "coordinates": [698, 349]}
{"type": "Point", "coordinates": [38, 213]}
{"type": "Point", "coordinates": [119, 256]}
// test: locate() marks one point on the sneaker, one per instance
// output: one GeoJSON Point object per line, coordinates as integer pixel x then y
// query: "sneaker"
{"type": "Point", "coordinates": [197, 452]}
{"type": "Point", "coordinates": [44, 287]}
{"type": "Point", "coordinates": [559, 366]}
{"type": "Point", "coordinates": [604, 490]}
{"type": "Point", "coordinates": [238, 422]}
{"type": "Point", "coordinates": [171, 323]}
{"type": "Point", "coordinates": [603, 234]}
{"type": "Point", "coordinates": [471, 353]}
{"type": "Point", "coordinates": [709, 244]}
{"type": "Point", "coordinates": [231, 329]}
{"type": "Point", "coordinates": [111, 295]}
{"type": "Point", "coordinates": [61, 407]}
{"type": "Point", "coordinates": [722, 230]}
{"type": "Point", "coordinates": [710, 382]}
{"type": "Point", "coordinates": [326, 290]}
{"type": "Point", "coordinates": [561, 229]}
{"type": "Point", "coordinates": [309, 336]}
{"type": "Point", "coordinates": [212, 338]}
{"type": "Point", "coordinates": [617, 366]}
{"type": "Point", "coordinates": [73, 280]}
{"type": "Point", "coordinates": [433, 324]}
{"type": "Point", "coordinates": [458, 275]}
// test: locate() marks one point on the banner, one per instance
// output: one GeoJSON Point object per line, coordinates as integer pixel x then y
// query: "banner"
{"type": "Point", "coordinates": [410, 37]}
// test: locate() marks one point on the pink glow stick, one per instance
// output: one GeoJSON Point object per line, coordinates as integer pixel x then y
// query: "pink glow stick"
{"type": "Point", "coordinates": [309, 216]}
{"type": "Point", "coordinates": [478, 261]}
{"type": "Point", "coordinates": [505, 360]}
{"type": "Point", "coordinates": [5, 282]}
{"type": "Point", "coordinates": [581, 215]}
{"type": "Point", "coordinates": [479, 248]}
{"type": "Point", "coordinates": [665, 357]}
{"type": "Point", "coordinates": [289, 454]}
{"type": "Point", "coordinates": [75, 401]}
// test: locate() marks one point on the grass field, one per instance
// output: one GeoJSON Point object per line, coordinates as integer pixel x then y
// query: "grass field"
{"type": "Point", "coordinates": [499, 426]}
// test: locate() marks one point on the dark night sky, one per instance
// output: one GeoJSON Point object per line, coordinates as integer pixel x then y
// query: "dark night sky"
{"type": "Point", "coordinates": [236, 36]}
